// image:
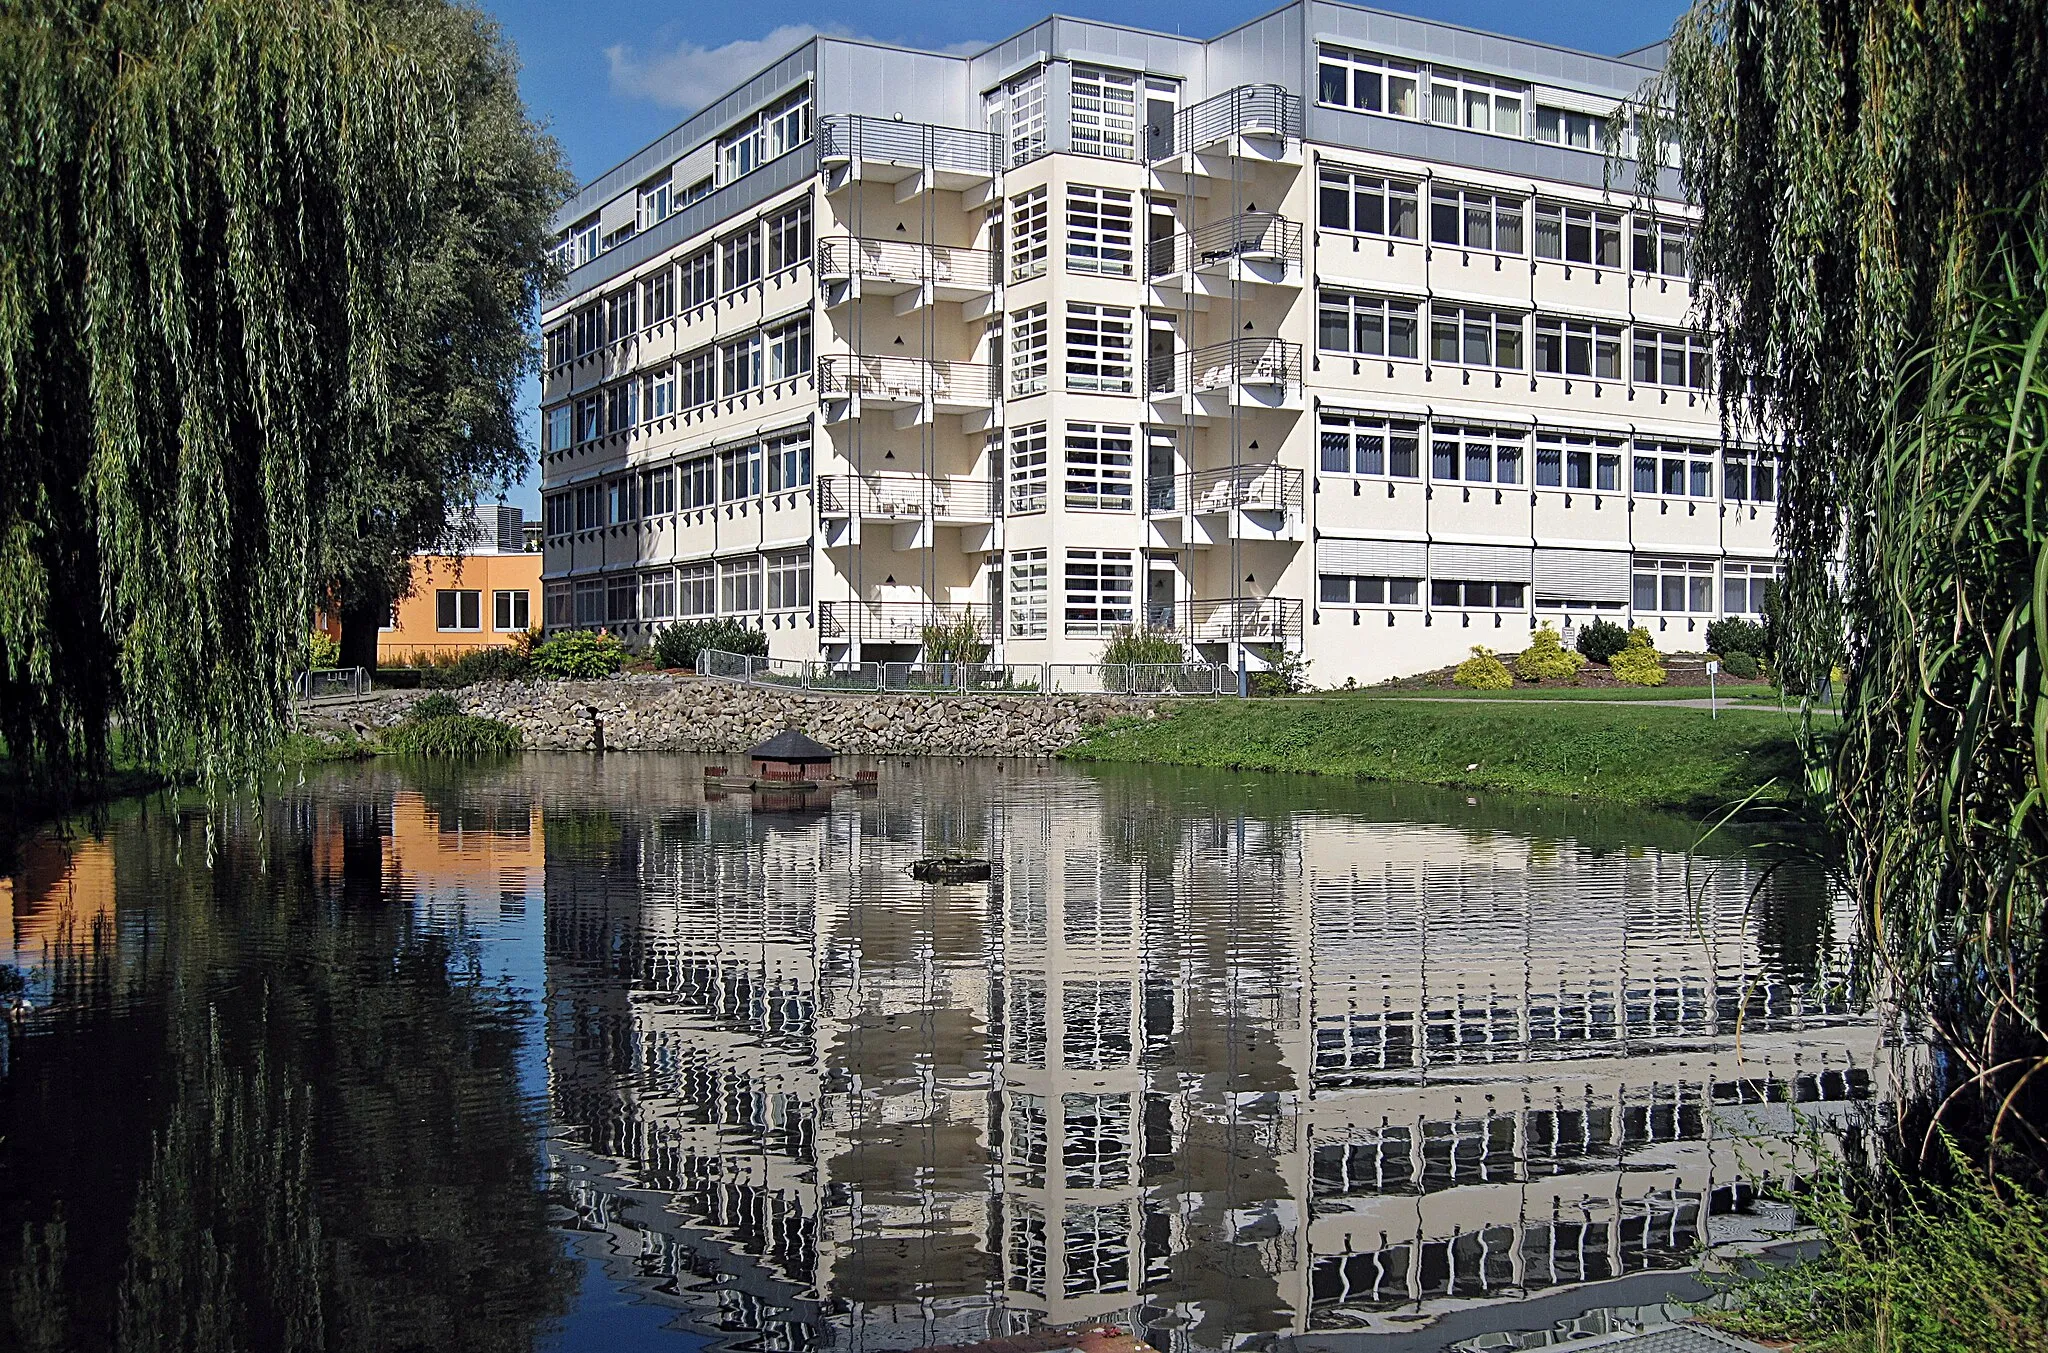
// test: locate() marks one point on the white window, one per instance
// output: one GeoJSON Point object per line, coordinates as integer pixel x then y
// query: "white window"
{"type": "Point", "coordinates": [661, 393]}
{"type": "Point", "coordinates": [1096, 1139]}
{"type": "Point", "coordinates": [1468, 336]}
{"type": "Point", "coordinates": [1372, 84]}
{"type": "Point", "coordinates": [622, 598]}
{"type": "Point", "coordinates": [1744, 587]}
{"type": "Point", "coordinates": [1347, 589]}
{"type": "Point", "coordinates": [1583, 463]}
{"type": "Point", "coordinates": [789, 237]}
{"type": "Point", "coordinates": [1663, 248]}
{"type": "Point", "coordinates": [1674, 586]}
{"type": "Point", "coordinates": [1368, 204]}
{"type": "Point", "coordinates": [1027, 594]}
{"type": "Point", "coordinates": [1100, 356]}
{"type": "Point", "coordinates": [1465, 595]}
{"type": "Point", "coordinates": [1367, 326]}
{"type": "Point", "coordinates": [739, 260]}
{"type": "Point", "coordinates": [1100, 467]}
{"type": "Point", "coordinates": [789, 580]}
{"type": "Point", "coordinates": [1105, 105]}
{"type": "Point", "coordinates": [1475, 102]}
{"type": "Point", "coordinates": [1028, 345]}
{"type": "Point", "coordinates": [658, 297]}
{"type": "Point", "coordinates": [1563, 127]}
{"type": "Point", "coordinates": [1749, 475]}
{"type": "Point", "coordinates": [1370, 446]}
{"type": "Point", "coordinates": [1475, 455]}
{"type": "Point", "coordinates": [583, 244]}
{"type": "Point", "coordinates": [658, 595]}
{"type": "Point", "coordinates": [621, 314]}
{"type": "Point", "coordinates": [458, 609]}
{"type": "Point", "coordinates": [561, 604]}
{"type": "Point", "coordinates": [789, 461]}
{"type": "Point", "coordinates": [1027, 1137]}
{"type": "Point", "coordinates": [775, 130]}
{"type": "Point", "coordinates": [739, 586]}
{"type": "Point", "coordinates": [622, 406]}
{"type": "Point", "coordinates": [1674, 471]}
{"type": "Point", "coordinates": [697, 482]}
{"type": "Point", "coordinates": [589, 506]}
{"type": "Point", "coordinates": [590, 603]}
{"type": "Point", "coordinates": [1668, 357]}
{"type": "Point", "coordinates": [696, 380]}
{"type": "Point", "coordinates": [622, 498]}
{"type": "Point", "coordinates": [1098, 1249]}
{"type": "Point", "coordinates": [698, 275]}
{"type": "Point", "coordinates": [1027, 468]}
{"type": "Point", "coordinates": [1465, 218]}
{"type": "Point", "coordinates": [1030, 234]}
{"type": "Point", "coordinates": [657, 492]}
{"type": "Point", "coordinates": [561, 428]}
{"type": "Point", "coordinates": [739, 472]}
{"type": "Point", "coordinates": [657, 201]}
{"type": "Point", "coordinates": [1026, 1249]}
{"type": "Point", "coordinates": [740, 363]}
{"type": "Point", "coordinates": [1099, 586]}
{"type": "Point", "coordinates": [556, 513]}
{"type": "Point", "coordinates": [1577, 347]}
{"type": "Point", "coordinates": [696, 590]}
{"type": "Point", "coordinates": [1099, 231]}
{"type": "Point", "coordinates": [789, 350]}
{"type": "Point", "coordinates": [1578, 235]}
{"type": "Point", "coordinates": [561, 345]}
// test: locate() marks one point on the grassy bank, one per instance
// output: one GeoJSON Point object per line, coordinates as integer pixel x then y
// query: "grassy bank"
{"type": "Point", "coordinates": [1618, 753]}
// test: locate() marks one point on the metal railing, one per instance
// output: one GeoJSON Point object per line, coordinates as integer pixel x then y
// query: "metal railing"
{"type": "Point", "coordinates": [908, 497]}
{"type": "Point", "coordinates": [897, 622]}
{"type": "Point", "coordinates": [1245, 488]}
{"type": "Point", "coordinates": [901, 261]}
{"type": "Point", "coordinates": [973, 678]}
{"type": "Point", "coordinates": [331, 683]}
{"type": "Point", "coordinates": [1166, 678]}
{"type": "Point", "coordinates": [1228, 366]}
{"type": "Point", "coordinates": [908, 380]}
{"type": "Point", "coordinates": [1259, 620]}
{"type": "Point", "coordinates": [849, 136]}
{"type": "Point", "coordinates": [1255, 236]}
{"type": "Point", "coordinates": [1248, 110]}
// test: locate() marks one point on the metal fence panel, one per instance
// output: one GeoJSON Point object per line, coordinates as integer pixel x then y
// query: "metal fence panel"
{"type": "Point", "coordinates": [332, 683]}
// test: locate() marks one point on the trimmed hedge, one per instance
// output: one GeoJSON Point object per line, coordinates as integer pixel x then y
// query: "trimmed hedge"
{"type": "Point", "coordinates": [1483, 672]}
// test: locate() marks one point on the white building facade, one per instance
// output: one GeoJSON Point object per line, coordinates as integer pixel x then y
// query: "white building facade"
{"type": "Point", "coordinates": [1325, 335]}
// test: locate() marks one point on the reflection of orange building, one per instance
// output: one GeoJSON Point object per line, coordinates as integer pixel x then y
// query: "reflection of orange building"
{"type": "Point", "coordinates": [59, 896]}
{"type": "Point", "coordinates": [482, 853]}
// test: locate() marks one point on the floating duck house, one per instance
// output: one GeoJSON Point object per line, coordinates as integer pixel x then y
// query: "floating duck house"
{"type": "Point", "coordinates": [791, 755]}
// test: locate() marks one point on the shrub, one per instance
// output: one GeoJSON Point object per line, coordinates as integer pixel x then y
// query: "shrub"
{"type": "Point", "coordinates": [507, 662]}
{"type": "Point", "coordinates": [1601, 640]}
{"type": "Point", "coordinates": [1483, 672]}
{"type": "Point", "coordinates": [1286, 673]}
{"type": "Point", "coordinates": [579, 655]}
{"type": "Point", "coordinates": [1638, 663]}
{"type": "Point", "coordinates": [678, 645]}
{"type": "Point", "coordinates": [1547, 659]}
{"type": "Point", "coordinates": [1740, 665]}
{"type": "Point", "coordinates": [435, 706]}
{"type": "Point", "coordinates": [1736, 635]}
{"type": "Point", "coordinates": [954, 640]}
{"type": "Point", "coordinates": [322, 650]}
{"type": "Point", "coordinates": [1129, 644]}
{"type": "Point", "coordinates": [452, 735]}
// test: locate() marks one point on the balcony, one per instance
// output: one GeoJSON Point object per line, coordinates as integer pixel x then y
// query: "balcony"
{"type": "Point", "coordinates": [1249, 373]}
{"type": "Point", "coordinates": [1254, 620]}
{"type": "Point", "coordinates": [1254, 247]}
{"type": "Point", "coordinates": [917, 387]}
{"type": "Point", "coordinates": [916, 274]}
{"type": "Point", "coordinates": [1249, 502]}
{"type": "Point", "coordinates": [916, 156]}
{"type": "Point", "coordinates": [1258, 122]}
{"type": "Point", "coordinates": [908, 497]}
{"type": "Point", "coordinates": [897, 622]}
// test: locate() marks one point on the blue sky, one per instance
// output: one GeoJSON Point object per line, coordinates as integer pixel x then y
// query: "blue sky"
{"type": "Point", "coordinates": [608, 76]}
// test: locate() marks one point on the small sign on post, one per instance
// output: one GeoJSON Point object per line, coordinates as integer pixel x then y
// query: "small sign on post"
{"type": "Point", "coordinates": [1713, 697]}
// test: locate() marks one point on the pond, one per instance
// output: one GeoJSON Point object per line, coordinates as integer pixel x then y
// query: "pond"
{"type": "Point", "coordinates": [559, 1054]}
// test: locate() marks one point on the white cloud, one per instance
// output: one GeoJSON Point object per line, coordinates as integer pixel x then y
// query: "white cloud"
{"type": "Point", "coordinates": [690, 75]}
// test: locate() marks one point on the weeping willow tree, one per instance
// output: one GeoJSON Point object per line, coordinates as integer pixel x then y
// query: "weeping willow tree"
{"type": "Point", "coordinates": [226, 330]}
{"type": "Point", "coordinates": [1870, 259]}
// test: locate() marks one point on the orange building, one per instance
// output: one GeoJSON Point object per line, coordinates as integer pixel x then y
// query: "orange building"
{"type": "Point", "coordinates": [482, 598]}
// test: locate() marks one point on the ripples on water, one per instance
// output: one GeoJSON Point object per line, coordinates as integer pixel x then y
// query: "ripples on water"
{"type": "Point", "coordinates": [1217, 1058]}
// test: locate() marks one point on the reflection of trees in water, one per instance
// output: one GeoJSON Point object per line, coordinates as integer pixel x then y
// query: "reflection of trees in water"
{"type": "Point", "coordinates": [289, 1119]}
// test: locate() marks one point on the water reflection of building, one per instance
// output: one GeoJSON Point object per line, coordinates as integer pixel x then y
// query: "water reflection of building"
{"type": "Point", "coordinates": [59, 899]}
{"type": "Point", "coordinates": [1216, 1077]}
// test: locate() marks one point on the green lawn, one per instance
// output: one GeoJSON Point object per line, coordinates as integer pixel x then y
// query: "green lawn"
{"type": "Point", "coordinates": [1746, 695]}
{"type": "Point", "coordinates": [1619, 753]}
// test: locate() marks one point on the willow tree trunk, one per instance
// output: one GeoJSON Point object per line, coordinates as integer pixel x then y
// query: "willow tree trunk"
{"type": "Point", "coordinates": [362, 618]}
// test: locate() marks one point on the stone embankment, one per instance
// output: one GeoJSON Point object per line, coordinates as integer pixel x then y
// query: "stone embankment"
{"type": "Point", "coordinates": [683, 714]}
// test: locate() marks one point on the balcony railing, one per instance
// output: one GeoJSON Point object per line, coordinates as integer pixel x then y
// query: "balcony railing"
{"type": "Point", "coordinates": [898, 622]}
{"type": "Point", "coordinates": [1246, 488]}
{"type": "Point", "coordinates": [901, 261]}
{"type": "Point", "coordinates": [1253, 236]}
{"type": "Point", "coordinates": [1258, 620]}
{"type": "Point", "coordinates": [1248, 110]}
{"type": "Point", "coordinates": [907, 380]}
{"type": "Point", "coordinates": [908, 497]}
{"type": "Point", "coordinates": [851, 137]}
{"type": "Point", "coordinates": [1221, 366]}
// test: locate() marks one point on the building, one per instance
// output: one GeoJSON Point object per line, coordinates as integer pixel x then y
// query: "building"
{"type": "Point", "coordinates": [482, 597]}
{"type": "Point", "coordinates": [1325, 333]}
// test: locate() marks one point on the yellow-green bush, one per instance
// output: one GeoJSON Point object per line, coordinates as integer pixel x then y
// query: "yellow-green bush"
{"type": "Point", "coordinates": [1638, 664]}
{"type": "Point", "coordinates": [1547, 659]}
{"type": "Point", "coordinates": [1483, 672]}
